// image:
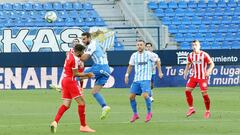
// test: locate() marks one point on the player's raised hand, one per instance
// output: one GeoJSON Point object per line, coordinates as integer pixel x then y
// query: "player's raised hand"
{"type": "Point", "coordinates": [90, 75]}
{"type": "Point", "coordinates": [160, 75]}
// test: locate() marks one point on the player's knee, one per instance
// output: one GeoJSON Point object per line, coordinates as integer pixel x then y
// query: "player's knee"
{"type": "Point", "coordinates": [204, 93]}
{"type": "Point", "coordinates": [189, 89]}
{"type": "Point", "coordinates": [132, 97]}
{"type": "Point", "coordinates": [145, 95]}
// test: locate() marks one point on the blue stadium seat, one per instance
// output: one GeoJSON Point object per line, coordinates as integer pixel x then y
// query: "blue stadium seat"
{"type": "Point", "coordinates": [216, 20]}
{"type": "Point", "coordinates": [159, 12]}
{"type": "Point", "coordinates": [182, 29]}
{"type": "Point", "coordinates": [199, 36]}
{"type": "Point", "coordinates": [223, 28]}
{"type": "Point", "coordinates": [205, 45]}
{"type": "Point", "coordinates": [212, 28]}
{"type": "Point", "coordinates": [200, 11]}
{"type": "Point", "coordinates": [80, 22]}
{"type": "Point", "coordinates": [186, 20]}
{"type": "Point", "coordinates": [226, 45]}
{"type": "Point", "coordinates": [179, 37]}
{"type": "Point", "coordinates": [68, 6]}
{"type": "Point", "coordinates": [235, 45]}
{"type": "Point", "coordinates": [222, 3]}
{"type": "Point", "coordinates": [73, 14]}
{"type": "Point", "coordinates": [189, 12]}
{"type": "Point", "coordinates": [230, 37]}
{"type": "Point", "coordinates": [7, 6]}
{"type": "Point", "coordinates": [192, 28]}
{"type": "Point", "coordinates": [28, 6]}
{"type": "Point", "coordinates": [77, 6]}
{"type": "Point", "coordinates": [179, 12]}
{"type": "Point", "coordinates": [89, 21]}
{"type": "Point", "coordinates": [87, 6]}
{"type": "Point", "coordinates": [236, 19]}
{"type": "Point", "coordinates": [57, 6]}
{"type": "Point", "coordinates": [166, 20]}
{"type": "Point", "coordinates": [232, 3]}
{"type": "Point", "coordinates": [83, 14]}
{"type": "Point", "coordinates": [188, 37]}
{"type": "Point", "coordinates": [60, 22]}
{"type": "Point", "coordinates": [185, 46]}
{"type": "Point", "coordinates": [226, 19]}
{"type": "Point", "coordinates": [203, 28]}
{"type": "Point", "coordinates": [169, 12]}
{"type": "Point", "coordinates": [162, 5]}
{"type": "Point", "coordinates": [209, 12]}
{"type": "Point", "coordinates": [238, 36]}
{"type": "Point", "coordinates": [17, 6]}
{"type": "Point", "coordinates": [48, 6]}
{"type": "Point", "coordinates": [182, 4]}
{"type": "Point", "coordinates": [173, 29]}
{"type": "Point", "coordinates": [233, 28]}
{"type": "Point", "coordinates": [176, 20]}
{"type": "Point", "coordinates": [152, 5]}
{"type": "Point", "coordinates": [202, 4]}
{"type": "Point", "coordinates": [99, 22]}
{"type": "Point", "coordinates": [228, 11]}
{"type": "Point", "coordinates": [37, 6]}
{"type": "Point", "coordinates": [219, 11]}
{"type": "Point", "coordinates": [209, 37]}
{"type": "Point", "coordinates": [192, 4]}
{"type": "Point", "coordinates": [212, 4]}
{"type": "Point", "coordinates": [172, 4]}
{"type": "Point", "coordinates": [62, 14]}
{"type": "Point", "coordinates": [237, 10]}
{"type": "Point", "coordinates": [206, 20]}
{"type": "Point", "coordinates": [69, 22]}
{"type": "Point", "coordinates": [196, 20]}
{"type": "Point", "coordinates": [219, 37]}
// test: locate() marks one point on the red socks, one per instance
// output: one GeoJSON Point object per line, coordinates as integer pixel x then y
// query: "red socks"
{"type": "Point", "coordinates": [207, 102]}
{"type": "Point", "coordinates": [81, 113]}
{"type": "Point", "coordinates": [60, 112]}
{"type": "Point", "coordinates": [189, 98]}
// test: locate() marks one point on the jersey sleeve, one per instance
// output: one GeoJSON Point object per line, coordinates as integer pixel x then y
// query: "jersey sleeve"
{"type": "Point", "coordinates": [153, 57]}
{"type": "Point", "coordinates": [75, 62]}
{"type": "Point", "coordinates": [207, 58]}
{"type": "Point", "coordinates": [131, 61]}
{"type": "Point", "coordinates": [91, 48]}
{"type": "Point", "coordinates": [189, 60]}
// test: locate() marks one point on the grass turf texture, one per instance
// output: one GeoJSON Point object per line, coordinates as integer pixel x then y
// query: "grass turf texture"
{"type": "Point", "coordinates": [29, 112]}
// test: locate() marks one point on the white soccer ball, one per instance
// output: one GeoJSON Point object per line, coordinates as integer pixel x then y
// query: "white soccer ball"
{"type": "Point", "coordinates": [50, 16]}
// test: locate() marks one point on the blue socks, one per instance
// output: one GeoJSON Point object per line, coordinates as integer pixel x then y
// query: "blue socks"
{"type": "Point", "coordinates": [150, 93]}
{"type": "Point", "coordinates": [134, 106]}
{"type": "Point", "coordinates": [148, 104]}
{"type": "Point", "coordinates": [100, 99]}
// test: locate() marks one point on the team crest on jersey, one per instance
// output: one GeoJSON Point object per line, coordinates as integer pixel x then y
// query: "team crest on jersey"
{"type": "Point", "coordinates": [182, 57]}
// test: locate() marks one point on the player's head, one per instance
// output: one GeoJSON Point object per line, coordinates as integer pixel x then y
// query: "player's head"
{"type": "Point", "coordinates": [196, 45]}
{"type": "Point", "coordinates": [86, 38]}
{"type": "Point", "coordinates": [78, 50]}
{"type": "Point", "coordinates": [75, 41]}
{"type": "Point", "coordinates": [149, 46]}
{"type": "Point", "coordinates": [140, 45]}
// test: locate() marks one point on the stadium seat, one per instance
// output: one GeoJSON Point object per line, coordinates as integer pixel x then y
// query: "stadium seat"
{"type": "Point", "coordinates": [77, 6]}
{"type": "Point", "coordinates": [196, 20]}
{"type": "Point", "coordinates": [216, 20]}
{"type": "Point", "coordinates": [202, 4]}
{"type": "Point", "coordinates": [223, 28]}
{"type": "Point", "coordinates": [179, 37]}
{"type": "Point", "coordinates": [226, 19]}
{"type": "Point", "coordinates": [219, 37]}
{"type": "Point", "coordinates": [232, 3]}
{"type": "Point", "coordinates": [237, 11]}
{"type": "Point", "coordinates": [152, 5]}
{"type": "Point", "coordinates": [209, 12]}
{"type": "Point", "coordinates": [89, 21]}
{"type": "Point", "coordinates": [162, 5]}
{"type": "Point", "coordinates": [199, 11]}
{"type": "Point", "coordinates": [192, 4]}
{"type": "Point", "coordinates": [92, 13]}
{"type": "Point", "coordinates": [28, 6]}
{"type": "Point", "coordinates": [219, 11]}
{"type": "Point", "coordinates": [182, 4]}
{"type": "Point", "coordinates": [206, 20]}
{"type": "Point", "coordinates": [99, 22]}
{"type": "Point", "coordinates": [189, 12]}
{"type": "Point", "coordinates": [7, 6]}
{"type": "Point", "coordinates": [212, 4]}
{"type": "Point", "coordinates": [80, 22]}
{"type": "Point", "coordinates": [221, 3]}
{"type": "Point", "coordinates": [60, 22]}
{"type": "Point", "coordinates": [62, 14]}
{"type": "Point", "coordinates": [73, 14]}
{"type": "Point", "coordinates": [68, 6]}
{"type": "Point", "coordinates": [189, 37]}
{"type": "Point", "coordinates": [87, 6]}
{"type": "Point", "coordinates": [57, 6]}
{"type": "Point", "coordinates": [37, 6]}
{"type": "Point", "coordinates": [166, 20]}
{"type": "Point", "coordinates": [17, 6]}
{"type": "Point", "coordinates": [172, 4]}
{"type": "Point", "coordinates": [186, 20]}
{"type": "Point", "coordinates": [182, 29]}
{"type": "Point", "coordinates": [203, 28]}
{"type": "Point", "coordinates": [185, 46]}
{"type": "Point", "coordinates": [235, 45]}
{"type": "Point", "coordinates": [192, 28]}
{"type": "Point", "coordinates": [179, 12]}
{"type": "Point", "coordinates": [212, 28]}
{"type": "Point", "coordinates": [209, 37]}
{"type": "Point", "coordinates": [169, 12]}
{"type": "Point", "coordinates": [176, 20]}
{"type": "Point", "coordinates": [159, 12]}
{"type": "Point", "coordinates": [233, 28]}
{"type": "Point", "coordinates": [205, 45]}
{"type": "Point", "coordinates": [230, 37]}
{"type": "Point", "coordinates": [236, 19]}
{"type": "Point", "coordinates": [173, 29]}
{"type": "Point", "coordinates": [69, 22]}
{"type": "Point", "coordinates": [199, 36]}
{"type": "Point", "coordinates": [48, 6]}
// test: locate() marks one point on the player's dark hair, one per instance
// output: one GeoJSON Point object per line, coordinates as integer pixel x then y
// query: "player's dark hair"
{"type": "Point", "coordinates": [87, 34]}
{"type": "Point", "coordinates": [194, 41]}
{"type": "Point", "coordinates": [140, 40]}
{"type": "Point", "coordinates": [148, 43]}
{"type": "Point", "coordinates": [79, 48]}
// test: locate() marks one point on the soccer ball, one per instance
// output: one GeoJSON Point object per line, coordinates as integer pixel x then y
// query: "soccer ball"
{"type": "Point", "coordinates": [50, 16]}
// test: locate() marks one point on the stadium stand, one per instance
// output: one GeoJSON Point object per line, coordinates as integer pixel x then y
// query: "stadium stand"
{"type": "Point", "coordinates": [215, 23]}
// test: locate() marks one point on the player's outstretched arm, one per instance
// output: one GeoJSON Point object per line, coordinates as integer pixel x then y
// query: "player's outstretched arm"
{"type": "Point", "coordinates": [185, 73]}
{"type": "Point", "coordinates": [82, 75]}
{"type": "Point", "coordinates": [129, 69]}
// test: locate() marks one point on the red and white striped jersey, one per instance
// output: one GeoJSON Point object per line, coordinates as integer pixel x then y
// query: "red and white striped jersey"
{"type": "Point", "coordinates": [199, 62]}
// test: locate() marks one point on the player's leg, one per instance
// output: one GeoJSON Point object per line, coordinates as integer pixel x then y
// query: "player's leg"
{"type": "Point", "coordinates": [63, 108]}
{"type": "Point", "coordinates": [204, 86]}
{"type": "Point", "coordinates": [152, 86]}
{"type": "Point", "coordinates": [146, 88]}
{"type": "Point", "coordinates": [82, 116]}
{"type": "Point", "coordinates": [135, 90]}
{"type": "Point", "coordinates": [191, 84]}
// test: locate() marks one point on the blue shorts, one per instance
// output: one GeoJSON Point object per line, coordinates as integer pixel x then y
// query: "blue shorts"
{"type": "Point", "coordinates": [140, 87]}
{"type": "Point", "coordinates": [101, 72]}
{"type": "Point", "coordinates": [153, 78]}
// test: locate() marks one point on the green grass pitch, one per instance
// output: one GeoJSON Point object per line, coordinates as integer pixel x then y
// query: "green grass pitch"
{"type": "Point", "coordinates": [30, 113]}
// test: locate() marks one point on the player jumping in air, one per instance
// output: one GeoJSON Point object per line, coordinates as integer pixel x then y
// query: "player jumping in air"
{"type": "Point", "coordinates": [142, 62]}
{"type": "Point", "coordinates": [199, 60]}
{"type": "Point", "coordinates": [70, 89]}
{"type": "Point", "coordinates": [100, 69]}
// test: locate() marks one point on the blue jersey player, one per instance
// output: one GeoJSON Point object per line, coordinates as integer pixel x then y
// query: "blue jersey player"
{"type": "Point", "coordinates": [100, 68]}
{"type": "Point", "coordinates": [142, 62]}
